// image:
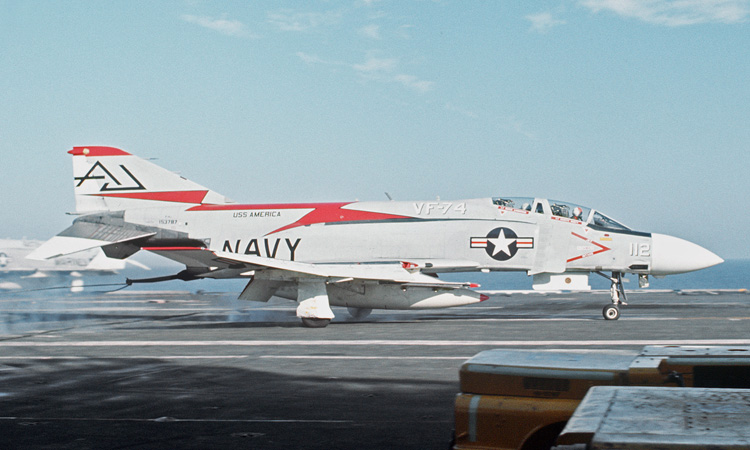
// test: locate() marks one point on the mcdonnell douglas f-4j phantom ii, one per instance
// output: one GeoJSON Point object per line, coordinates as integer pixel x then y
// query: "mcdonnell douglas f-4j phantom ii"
{"type": "Point", "coordinates": [361, 255]}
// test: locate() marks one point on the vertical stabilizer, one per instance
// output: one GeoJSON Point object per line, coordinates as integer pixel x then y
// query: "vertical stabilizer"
{"type": "Point", "coordinates": [110, 179]}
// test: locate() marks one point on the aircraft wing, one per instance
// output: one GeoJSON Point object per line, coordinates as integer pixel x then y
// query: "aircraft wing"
{"type": "Point", "coordinates": [404, 273]}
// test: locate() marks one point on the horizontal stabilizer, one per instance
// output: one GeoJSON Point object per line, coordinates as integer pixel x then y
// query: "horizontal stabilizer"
{"type": "Point", "coordinates": [64, 245]}
{"type": "Point", "coordinates": [92, 227]}
{"type": "Point", "coordinates": [85, 235]}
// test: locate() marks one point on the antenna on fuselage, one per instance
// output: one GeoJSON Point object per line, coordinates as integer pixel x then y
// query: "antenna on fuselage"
{"type": "Point", "coordinates": [389, 196]}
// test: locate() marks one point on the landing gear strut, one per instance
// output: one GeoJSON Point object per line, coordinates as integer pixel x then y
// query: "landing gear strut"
{"type": "Point", "coordinates": [617, 293]}
{"type": "Point", "coordinates": [313, 309]}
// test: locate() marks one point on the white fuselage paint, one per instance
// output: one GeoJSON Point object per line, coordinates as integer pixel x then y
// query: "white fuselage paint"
{"type": "Point", "coordinates": [399, 231]}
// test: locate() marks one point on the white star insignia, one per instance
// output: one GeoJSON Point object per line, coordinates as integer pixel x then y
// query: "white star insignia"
{"type": "Point", "coordinates": [502, 244]}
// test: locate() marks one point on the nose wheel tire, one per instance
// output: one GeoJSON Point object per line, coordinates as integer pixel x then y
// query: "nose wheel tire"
{"type": "Point", "coordinates": [611, 312]}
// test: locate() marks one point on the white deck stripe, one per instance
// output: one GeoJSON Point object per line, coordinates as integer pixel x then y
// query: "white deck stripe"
{"type": "Point", "coordinates": [52, 357]}
{"type": "Point", "coordinates": [3, 358]}
{"type": "Point", "coordinates": [112, 309]}
{"type": "Point", "coordinates": [127, 419]}
{"type": "Point", "coordinates": [461, 358]}
{"type": "Point", "coordinates": [375, 343]}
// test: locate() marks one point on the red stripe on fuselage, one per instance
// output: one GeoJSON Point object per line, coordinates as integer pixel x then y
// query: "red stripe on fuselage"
{"type": "Point", "coordinates": [321, 213]}
{"type": "Point", "coordinates": [236, 207]}
{"type": "Point", "coordinates": [193, 197]}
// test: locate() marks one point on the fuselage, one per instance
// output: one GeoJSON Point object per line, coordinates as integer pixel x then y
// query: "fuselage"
{"type": "Point", "coordinates": [483, 233]}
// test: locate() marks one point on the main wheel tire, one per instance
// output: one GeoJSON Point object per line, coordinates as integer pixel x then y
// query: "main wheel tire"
{"type": "Point", "coordinates": [359, 313]}
{"type": "Point", "coordinates": [611, 312]}
{"type": "Point", "coordinates": [311, 322]}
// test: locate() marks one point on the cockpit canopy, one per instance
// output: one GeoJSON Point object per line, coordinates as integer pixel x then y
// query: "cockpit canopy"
{"type": "Point", "coordinates": [557, 208]}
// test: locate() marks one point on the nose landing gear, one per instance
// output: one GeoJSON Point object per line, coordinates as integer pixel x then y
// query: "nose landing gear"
{"type": "Point", "coordinates": [617, 293]}
{"type": "Point", "coordinates": [611, 312]}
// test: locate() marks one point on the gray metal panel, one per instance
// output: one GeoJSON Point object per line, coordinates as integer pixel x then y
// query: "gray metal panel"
{"type": "Point", "coordinates": [565, 374]}
{"type": "Point", "coordinates": [104, 232]}
{"type": "Point", "coordinates": [563, 360]}
{"type": "Point", "coordinates": [663, 418]}
{"type": "Point", "coordinates": [690, 351]}
{"type": "Point", "coordinates": [259, 290]}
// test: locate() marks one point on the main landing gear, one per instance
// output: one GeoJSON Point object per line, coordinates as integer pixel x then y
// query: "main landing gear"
{"type": "Point", "coordinates": [617, 293]}
{"type": "Point", "coordinates": [315, 323]}
{"type": "Point", "coordinates": [313, 308]}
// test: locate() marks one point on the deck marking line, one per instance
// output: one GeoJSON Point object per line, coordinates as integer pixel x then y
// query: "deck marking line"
{"type": "Point", "coordinates": [130, 419]}
{"type": "Point", "coordinates": [462, 358]}
{"type": "Point", "coordinates": [374, 343]}
{"type": "Point", "coordinates": [2, 358]}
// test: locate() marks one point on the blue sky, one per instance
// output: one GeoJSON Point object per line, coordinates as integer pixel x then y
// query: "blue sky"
{"type": "Point", "coordinates": [639, 108]}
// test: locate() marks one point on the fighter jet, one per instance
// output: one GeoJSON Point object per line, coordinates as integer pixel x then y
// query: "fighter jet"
{"type": "Point", "coordinates": [360, 255]}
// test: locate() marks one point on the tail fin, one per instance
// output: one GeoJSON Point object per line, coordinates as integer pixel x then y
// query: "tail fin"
{"type": "Point", "coordinates": [110, 179]}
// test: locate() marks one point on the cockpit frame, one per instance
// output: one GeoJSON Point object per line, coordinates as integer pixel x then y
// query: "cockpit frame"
{"type": "Point", "coordinates": [563, 211]}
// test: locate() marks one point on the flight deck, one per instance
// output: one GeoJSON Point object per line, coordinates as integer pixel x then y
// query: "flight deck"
{"type": "Point", "coordinates": [160, 369]}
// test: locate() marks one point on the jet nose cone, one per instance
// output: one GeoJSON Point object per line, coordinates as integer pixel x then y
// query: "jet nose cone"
{"type": "Point", "coordinates": [673, 255]}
